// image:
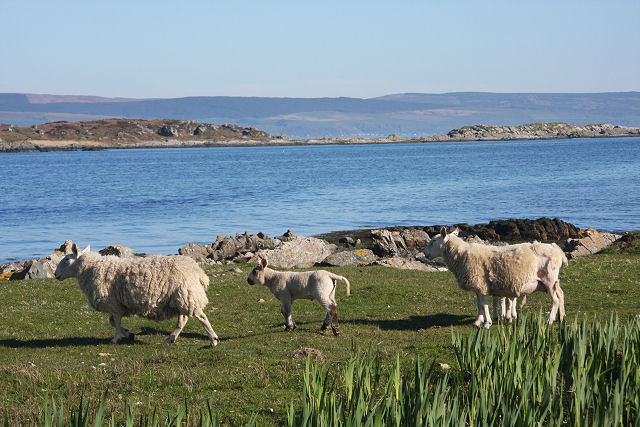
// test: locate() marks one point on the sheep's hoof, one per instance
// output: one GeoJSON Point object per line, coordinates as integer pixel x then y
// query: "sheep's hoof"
{"type": "Point", "coordinates": [487, 325]}
{"type": "Point", "coordinates": [170, 340]}
{"type": "Point", "coordinates": [336, 331]}
{"type": "Point", "coordinates": [290, 328]}
{"type": "Point", "coordinates": [115, 340]}
{"type": "Point", "coordinates": [324, 327]}
{"type": "Point", "coordinates": [131, 337]}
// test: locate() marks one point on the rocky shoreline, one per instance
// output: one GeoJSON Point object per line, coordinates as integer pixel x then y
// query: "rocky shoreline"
{"type": "Point", "coordinates": [128, 133]}
{"type": "Point", "coordinates": [398, 247]}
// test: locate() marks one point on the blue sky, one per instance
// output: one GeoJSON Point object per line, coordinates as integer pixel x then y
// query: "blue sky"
{"type": "Point", "coordinates": [330, 48]}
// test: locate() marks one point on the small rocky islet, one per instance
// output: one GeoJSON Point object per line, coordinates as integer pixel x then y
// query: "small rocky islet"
{"type": "Point", "coordinates": [398, 247]}
{"type": "Point", "coordinates": [135, 133]}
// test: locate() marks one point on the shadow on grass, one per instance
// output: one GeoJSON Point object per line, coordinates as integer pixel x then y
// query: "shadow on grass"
{"type": "Point", "coordinates": [414, 323]}
{"type": "Point", "coordinates": [54, 342]}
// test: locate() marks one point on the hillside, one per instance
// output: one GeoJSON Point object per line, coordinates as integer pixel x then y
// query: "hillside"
{"type": "Point", "coordinates": [408, 115]}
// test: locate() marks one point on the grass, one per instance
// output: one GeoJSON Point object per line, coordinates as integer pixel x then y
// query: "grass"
{"type": "Point", "coordinates": [53, 346]}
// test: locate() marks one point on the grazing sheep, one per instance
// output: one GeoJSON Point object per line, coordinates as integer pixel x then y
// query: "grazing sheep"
{"type": "Point", "coordinates": [505, 271]}
{"type": "Point", "coordinates": [158, 288]}
{"type": "Point", "coordinates": [288, 286]}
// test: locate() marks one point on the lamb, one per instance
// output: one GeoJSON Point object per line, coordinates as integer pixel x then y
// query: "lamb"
{"type": "Point", "coordinates": [157, 288]}
{"type": "Point", "coordinates": [505, 271]}
{"type": "Point", "coordinates": [288, 286]}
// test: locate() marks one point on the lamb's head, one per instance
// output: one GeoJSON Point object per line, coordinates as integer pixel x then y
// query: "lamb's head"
{"type": "Point", "coordinates": [68, 267]}
{"type": "Point", "coordinates": [435, 247]}
{"type": "Point", "coordinates": [256, 277]}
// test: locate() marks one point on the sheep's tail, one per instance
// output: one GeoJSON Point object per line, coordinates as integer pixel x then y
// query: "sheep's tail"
{"type": "Point", "coordinates": [336, 277]}
{"type": "Point", "coordinates": [565, 261]}
{"type": "Point", "coordinates": [204, 279]}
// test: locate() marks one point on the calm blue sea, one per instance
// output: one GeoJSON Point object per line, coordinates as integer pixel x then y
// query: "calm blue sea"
{"type": "Point", "coordinates": [155, 201]}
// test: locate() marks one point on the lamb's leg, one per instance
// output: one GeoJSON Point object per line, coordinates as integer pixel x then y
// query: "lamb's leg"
{"type": "Point", "coordinates": [484, 302]}
{"type": "Point", "coordinates": [182, 320]}
{"type": "Point", "coordinates": [335, 327]}
{"type": "Point", "coordinates": [480, 320]}
{"type": "Point", "coordinates": [115, 321]}
{"type": "Point", "coordinates": [207, 327]}
{"type": "Point", "coordinates": [285, 309]}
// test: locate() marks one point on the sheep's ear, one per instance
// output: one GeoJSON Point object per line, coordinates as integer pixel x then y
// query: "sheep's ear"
{"type": "Point", "coordinates": [455, 232]}
{"type": "Point", "coordinates": [75, 250]}
{"type": "Point", "coordinates": [443, 231]}
{"type": "Point", "coordinates": [87, 249]}
{"type": "Point", "coordinates": [263, 263]}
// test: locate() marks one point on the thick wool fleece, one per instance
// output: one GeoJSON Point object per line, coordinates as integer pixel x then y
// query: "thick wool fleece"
{"type": "Point", "coordinates": [495, 270]}
{"type": "Point", "coordinates": [157, 287]}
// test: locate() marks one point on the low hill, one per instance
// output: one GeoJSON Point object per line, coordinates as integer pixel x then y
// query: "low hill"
{"type": "Point", "coordinates": [408, 115]}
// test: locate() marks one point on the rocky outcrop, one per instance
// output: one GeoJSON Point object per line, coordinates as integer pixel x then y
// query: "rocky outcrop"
{"type": "Point", "coordinates": [592, 242]}
{"type": "Point", "coordinates": [350, 257]}
{"type": "Point", "coordinates": [554, 130]}
{"type": "Point", "coordinates": [117, 250]}
{"type": "Point", "coordinates": [301, 252]}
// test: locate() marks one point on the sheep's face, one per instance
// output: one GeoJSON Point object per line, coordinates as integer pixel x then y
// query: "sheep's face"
{"type": "Point", "coordinates": [68, 267]}
{"type": "Point", "coordinates": [435, 247]}
{"type": "Point", "coordinates": [256, 277]}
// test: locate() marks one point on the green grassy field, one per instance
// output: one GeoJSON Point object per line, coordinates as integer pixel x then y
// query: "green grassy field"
{"type": "Point", "coordinates": [52, 344]}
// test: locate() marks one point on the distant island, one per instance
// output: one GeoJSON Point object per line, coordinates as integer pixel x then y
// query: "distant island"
{"type": "Point", "coordinates": [133, 133]}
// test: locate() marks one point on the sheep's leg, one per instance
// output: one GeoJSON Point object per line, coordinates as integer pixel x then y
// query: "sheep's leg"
{"type": "Point", "coordinates": [207, 327]}
{"type": "Point", "coordinates": [560, 294]}
{"type": "Point", "coordinates": [120, 332]}
{"type": "Point", "coordinates": [495, 306]}
{"type": "Point", "coordinates": [484, 302]}
{"type": "Point", "coordinates": [125, 332]}
{"type": "Point", "coordinates": [182, 320]}
{"type": "Point", "coordinates": [285, 309]}
{"type": "Point", "coordinates": [514, 304]}
{"type": "Point", "coordinates": [480, 320]}
{"type": "Point", "coordinates": [555, 304]}
{"type": "Point", "coordinates": [327, 321]}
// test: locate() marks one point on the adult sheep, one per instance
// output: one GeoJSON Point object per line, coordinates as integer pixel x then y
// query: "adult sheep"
{"type": "Point", "coordinates": [505, 271]}
{"type": "Point", "coordinates": [557, 259]}
{"type": "Point", "coordinates": [157, 288]}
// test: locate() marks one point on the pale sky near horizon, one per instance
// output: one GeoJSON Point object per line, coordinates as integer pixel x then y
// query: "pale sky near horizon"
{"type": "Point", "coordinates": [161, 49]}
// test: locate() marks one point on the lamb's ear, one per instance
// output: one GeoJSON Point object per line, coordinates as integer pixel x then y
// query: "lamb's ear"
{"type": "Point", "coordinates": [86, 250]}
{"type": "Point", "coordinates": [263, 263]}
{"type": "Point", "coordinates": [443, 231]}
{"type": "Point", "coordinates": [455, 232]}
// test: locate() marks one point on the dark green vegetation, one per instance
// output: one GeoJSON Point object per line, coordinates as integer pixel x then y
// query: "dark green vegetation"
{"type": "Point", "coordinates": [586, 373]}
{"type": "Point", "coordinates": [52, 345]}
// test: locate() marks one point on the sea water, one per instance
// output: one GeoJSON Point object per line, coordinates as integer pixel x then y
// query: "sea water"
{"type": "Point", "coordinates": [156, 200]}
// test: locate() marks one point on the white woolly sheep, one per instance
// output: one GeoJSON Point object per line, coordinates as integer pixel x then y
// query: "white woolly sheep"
{"type": "Point", "coordinates": [288, 286]}
{"type": "Point", "coordinates": [505, 271]}
{"type": "Point", "coordinates": [157, 288]}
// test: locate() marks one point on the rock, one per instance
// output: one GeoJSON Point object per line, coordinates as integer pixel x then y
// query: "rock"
{"type": "Point", "coordinates": [198, 252]}
{"type": "Point", "coordinates": [385, 242]}
{"type": "Point", "coordinates": [415, 238]}
{"type": "Point", "coordinates": [236, 270]}
{"type": "Point", "coordinates": [592, 242]}
{"type": "Point", "coordinates": [406, 264]}
{"type": "Point", "coordinates": [302, 252]}
{"type": "Point", "coordinates": [351, 257]}
{"type": "Point", "coordinates": [117, 250]}
{"type": "Point", "coordinates": [38, 269]}
{"type": "Point", "coordinates": [168, 131]}
{"type": "Point", "coordinates": [287, 237]}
